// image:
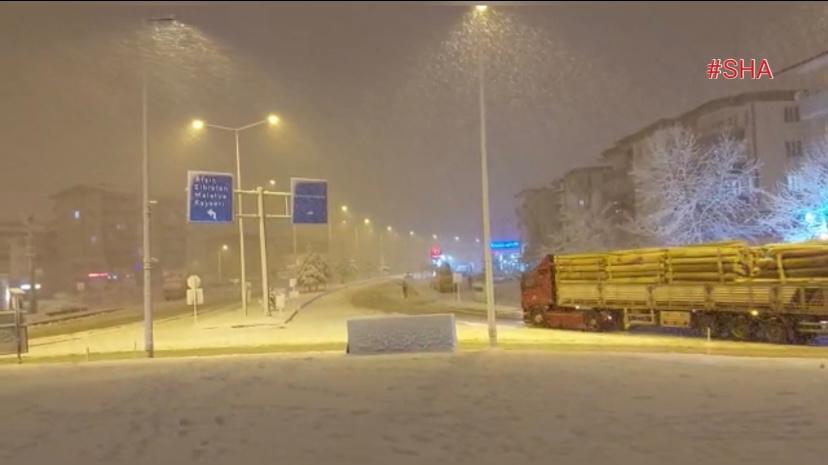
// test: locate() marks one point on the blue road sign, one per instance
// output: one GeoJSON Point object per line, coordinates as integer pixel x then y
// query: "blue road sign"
{"type": "Point", "coordinates": [310, 201]}
{"type": "Point", "coordinates": [505, 245]}
{"type": "Point", "coordinates": [209, 197]}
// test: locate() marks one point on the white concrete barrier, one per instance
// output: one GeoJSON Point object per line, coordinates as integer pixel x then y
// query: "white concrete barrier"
{"type": "Point", "coordinates": [402, 334]}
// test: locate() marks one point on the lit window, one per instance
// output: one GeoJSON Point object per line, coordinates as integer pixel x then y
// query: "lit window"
{"type": "Point", "coordinates": [76, 214]}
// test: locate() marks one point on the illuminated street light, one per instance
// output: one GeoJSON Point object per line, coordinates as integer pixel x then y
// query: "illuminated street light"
{"type": "Point", "coordinates": [410, 233]}
{"type": "Point", "coordinates": [272, 120]}
{"type": "Point", "coordinates": [477, 240]}
{"type": "Point", "coordinates": [389, 229]}
{"type": "Point", "coordinates": [484, 187]}
{"type": "Point", "coordinates": [344, 208]}
{"type": "Point", "coordinates": [434, 236]}
{"type": "Point", "coordinates": [225, 247]}
{"type": "Point", "coordinates": [456, 238]}
{"type": "Point", "coordinates": [272, 182]}
{"type": "Point", "coordinates": [367, 221]}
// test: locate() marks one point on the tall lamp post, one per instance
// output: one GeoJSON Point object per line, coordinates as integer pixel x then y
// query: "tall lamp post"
{"type": "Point", "coordinates": [198, 125]}
{"type": "Point", "coordinates": [146, 259]}
{"type": "Point", "coordinates": [221, 251]}
{"type": "Point", "coordinates": [480, 10]}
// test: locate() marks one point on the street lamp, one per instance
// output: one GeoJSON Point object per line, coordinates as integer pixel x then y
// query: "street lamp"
{"type": "Point", "coordinates": [224, 248]}
{"type": "Point", "coordinates": [344, 209]}
{"type": "Point", "coordinates": [146, 259]}
{"type": "Point", "coordinates": [484, 185]}
{"type": "Point", "coordinates": [411, 233]}
{"type": "Point", "coordinates": [434, 236]}
{"type": "Point", "coordinates": [271, 120]}
{"type": "Point", "coordinates": [367, 221]}
{"type": "Point", "coordinates": [389, 229]}
{"type": "Point", "coordinates": [272, 183]}
{"type": "Point", "coordinates": [456, 238]}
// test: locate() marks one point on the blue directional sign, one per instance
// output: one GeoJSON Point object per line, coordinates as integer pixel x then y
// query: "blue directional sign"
{"type": "Point", "coordinates": [505, 245]}
{"type": "Point", "coordinates": [310, 201]}
{"type": "Point", "coordinates": [209, 197]}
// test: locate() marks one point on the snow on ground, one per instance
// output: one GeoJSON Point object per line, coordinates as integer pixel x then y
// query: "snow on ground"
{"type": "Point", "coordinates": [489, 407]}
{"type": "Point", "coordinates": [323, 324]}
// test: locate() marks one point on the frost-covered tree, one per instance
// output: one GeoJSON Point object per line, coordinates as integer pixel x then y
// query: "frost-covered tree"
{"type": "Point", "coordinates": [585, 230]}
{"type": "Point", "coordinates": [313, 272]}
{"type": "Point", "coordinates": [688, 192]}
{"type": "Point", "coordinates": [799, 208]}
{"type": "Point", "coordinates": [347, 269]}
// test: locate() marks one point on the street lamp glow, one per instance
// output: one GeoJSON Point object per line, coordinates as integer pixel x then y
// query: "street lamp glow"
{"type": "Point", "coordinates": [197, 124]}
{"type": "Point", "coordinates": [272, 119]}
{"type": "Point", "coordinates": [367, 221]}
{"type": "Point", "coordinates": [225, 248]}
{"type": "Point", "coordinates": [410, 233]}
{"type": "Point", "coordinates": [477, 240]}
{"type": "Point", "coordinates": [481, 8]}
{"type": "Point", "coordinates": [389, 229]}
{"type": "Point", "coordinates": [344, 208]}
{"type": "Point", "coordinates": [434, 236]}
{"type": "Point", "coordinates": [272, 182]}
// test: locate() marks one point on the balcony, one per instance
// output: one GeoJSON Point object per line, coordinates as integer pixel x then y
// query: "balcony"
{"type": "Point", "coordinates": [813, 105]}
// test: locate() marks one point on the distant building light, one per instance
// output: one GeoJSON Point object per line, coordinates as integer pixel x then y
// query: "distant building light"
{"type": "Point", "coordinates": [76, 214]}
{"type": "Point", "coordinates": [28, 287]}
{"type": "Point", "coordinates": [97, 275]}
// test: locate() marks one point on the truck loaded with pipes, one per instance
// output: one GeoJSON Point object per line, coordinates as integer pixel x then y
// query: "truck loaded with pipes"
{"type": "Point", "coordinates": [775, 293]}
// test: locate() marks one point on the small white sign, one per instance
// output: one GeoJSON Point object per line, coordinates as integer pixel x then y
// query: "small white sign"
{"type": "Point", "coordinates": [195, 296]}
{"type": "Point", "coordinates": [193, 282]}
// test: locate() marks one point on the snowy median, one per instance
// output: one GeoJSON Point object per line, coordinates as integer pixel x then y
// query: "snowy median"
{"type": "Point", "coordinates": [400, 334]}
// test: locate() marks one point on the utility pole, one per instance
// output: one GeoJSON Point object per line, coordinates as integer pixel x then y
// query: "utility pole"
{"type": "Point", "coordinates": [30, 251]}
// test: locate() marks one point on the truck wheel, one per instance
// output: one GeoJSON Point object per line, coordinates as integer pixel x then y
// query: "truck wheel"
{"type": "Point", "coordinates": [741, 328]}
{"type": "Point", "coordinates": [776, 331]}
{"type": "Point", "coordinates": [709, 320]}
{"type": "Point", "coordinates": [592, 320]}
{"type": "Point", "coordinates": [537, 318]}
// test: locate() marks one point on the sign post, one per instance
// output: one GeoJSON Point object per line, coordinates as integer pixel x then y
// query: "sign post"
{"type": "Point", "coordinates": [195, 294]}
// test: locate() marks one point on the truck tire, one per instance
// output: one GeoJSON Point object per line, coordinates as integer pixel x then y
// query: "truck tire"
{"type": "Point", "coordinates": [776, 330]}
{"type": "Point", "coordinates": [741, 328]}
{"type": "Point", "coordinates": [536, 318]}
{"type": "Point", "coordinates": [592, 320]}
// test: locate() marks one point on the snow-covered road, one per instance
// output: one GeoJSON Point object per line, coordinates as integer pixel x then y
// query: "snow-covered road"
{"type": "Point", "coordinates": [489, 407]}
{"type": "Point", "coordinates": [322, 326]}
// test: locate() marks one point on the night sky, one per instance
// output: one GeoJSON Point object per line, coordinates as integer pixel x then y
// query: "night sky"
{"type": "Point", "coordinates": [377, 98]}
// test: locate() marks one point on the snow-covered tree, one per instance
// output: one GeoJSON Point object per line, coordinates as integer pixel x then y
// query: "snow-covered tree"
{"type": "Point", "coordinates": [347, 269]}
{"type": "Point", "coordinates": [688, 192]}
{"type": "Point", "coordinates": [313, 272]}
{"type": "Point", "coordinates": [799, 208]}
{"type": "Point", "coordinates": [585, 230]}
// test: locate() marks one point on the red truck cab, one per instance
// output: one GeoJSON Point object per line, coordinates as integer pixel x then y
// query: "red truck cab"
{"type": "Point", "coordinates": [536, 291]}
{"type": "Point", "coordinates": [538, 296]}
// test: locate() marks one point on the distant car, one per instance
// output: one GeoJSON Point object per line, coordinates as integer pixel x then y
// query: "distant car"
{"type": "Point", "coordinates": [175, 285]}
